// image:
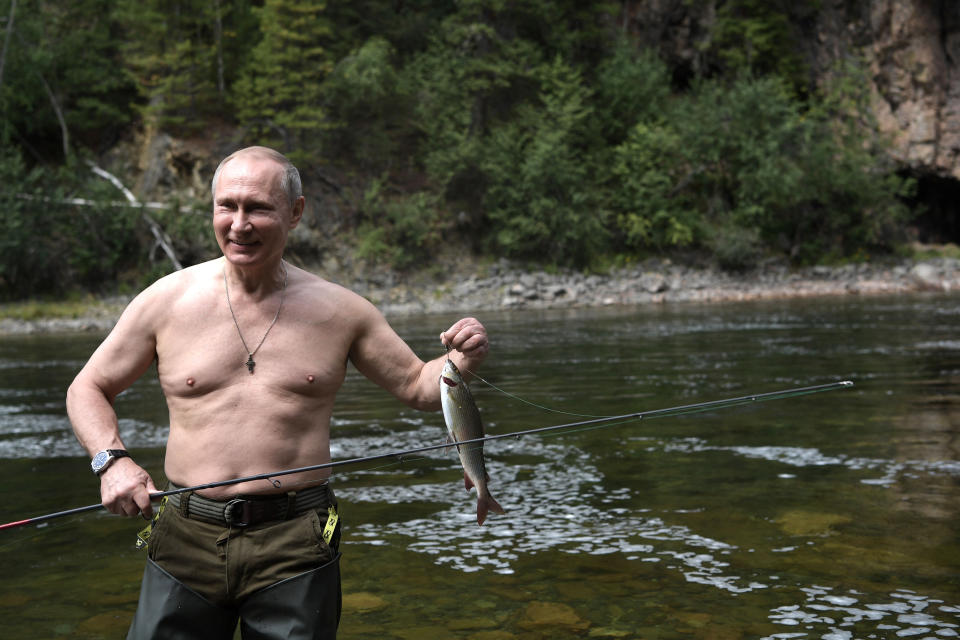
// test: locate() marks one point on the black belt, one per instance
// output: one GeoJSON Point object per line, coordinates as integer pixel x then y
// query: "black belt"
{"type": "Point", "coordinates": [243, 511]}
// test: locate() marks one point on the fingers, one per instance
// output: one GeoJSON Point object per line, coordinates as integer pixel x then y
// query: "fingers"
{"type": "Point", "coordinates": [125, 489]}
{"type": "Point", "coordinates": [467, 336]}
{"type": "Point", "coordinates": [142, 500]}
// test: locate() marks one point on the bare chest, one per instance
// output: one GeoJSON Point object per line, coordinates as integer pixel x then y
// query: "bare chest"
{"type": "Point", "coordinates": [201, 352]}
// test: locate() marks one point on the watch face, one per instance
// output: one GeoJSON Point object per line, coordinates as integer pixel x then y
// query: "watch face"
{"type": "Point", "coordinates": [99, 460]}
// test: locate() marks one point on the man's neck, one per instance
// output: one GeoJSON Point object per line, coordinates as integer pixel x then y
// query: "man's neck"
{"type": "Point", "coordinates": [257, 281]}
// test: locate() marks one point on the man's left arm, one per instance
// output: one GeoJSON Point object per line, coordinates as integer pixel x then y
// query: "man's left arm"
{"type": "Point", "coordinates": [381, 355]}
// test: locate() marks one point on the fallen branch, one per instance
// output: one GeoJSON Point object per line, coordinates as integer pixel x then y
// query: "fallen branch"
{"type": "Point", "coordinates": [84, 202]}
{"type": "Point", "coordinates": [159, 235]}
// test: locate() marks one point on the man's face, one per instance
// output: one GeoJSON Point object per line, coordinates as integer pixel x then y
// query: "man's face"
{"type": "Point", "coordinates": [251, 213]}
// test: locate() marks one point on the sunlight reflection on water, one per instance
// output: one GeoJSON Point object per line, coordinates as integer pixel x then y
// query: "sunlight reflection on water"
{"type": "Point", "coordinates": [551, 504]}
{"type": "Point", "coordinates": [907, 614]}
{"type": "Point", "coordinates": [558, 502]}
{"type": "Point", "coordinates": [30, 435]}
{"type": "Point", "coordinates": [809, 457]}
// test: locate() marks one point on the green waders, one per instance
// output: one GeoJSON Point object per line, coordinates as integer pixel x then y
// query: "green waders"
{"type": "Point", "coordinates": [270, 562]}
{"type": "Point", "coordinates": [303, 607]}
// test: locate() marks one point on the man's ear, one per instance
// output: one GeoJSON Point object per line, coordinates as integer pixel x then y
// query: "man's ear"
{"type": "Point", "coordinates": [297, 212]}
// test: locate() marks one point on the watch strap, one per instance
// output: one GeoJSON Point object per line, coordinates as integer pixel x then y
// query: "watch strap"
{"type": "Point", "coordinates": [110, 455]}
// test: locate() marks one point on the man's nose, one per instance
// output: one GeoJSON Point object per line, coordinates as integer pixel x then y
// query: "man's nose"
{"type": "Point", "coordinates": [241, 221]}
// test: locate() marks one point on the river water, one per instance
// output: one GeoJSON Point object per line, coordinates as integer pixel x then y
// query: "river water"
{"type": "Point", "coordinates": [830, 516]}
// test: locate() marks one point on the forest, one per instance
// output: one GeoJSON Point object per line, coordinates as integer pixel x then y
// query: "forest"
{"type": "Point", "coordinates": [543, 131]}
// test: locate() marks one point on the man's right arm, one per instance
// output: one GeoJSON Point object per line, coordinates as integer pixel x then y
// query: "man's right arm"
{"type": "Point", "coordinates": [122, 358]}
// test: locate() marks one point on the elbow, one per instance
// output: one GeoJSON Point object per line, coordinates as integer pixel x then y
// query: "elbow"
{"type": "Point", "coordinates": [426, 404]}
{"type": "Point", "coordinates": [72, 392]}
{"type": "Point", "coordinates": [81, 389]}
{"type": "Point", "coordinates": [423, 397]}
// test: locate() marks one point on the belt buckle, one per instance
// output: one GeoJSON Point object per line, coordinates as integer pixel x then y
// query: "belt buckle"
{"type": "Point", "coordinates": [230, 512]}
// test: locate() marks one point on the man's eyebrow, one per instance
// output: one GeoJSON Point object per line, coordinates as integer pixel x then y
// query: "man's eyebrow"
{"type": "Point", "coordinates": [249, 204]}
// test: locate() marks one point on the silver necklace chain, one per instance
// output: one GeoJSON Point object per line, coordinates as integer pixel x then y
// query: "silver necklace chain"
{"type": "Point", "coordinates": [250, 364]}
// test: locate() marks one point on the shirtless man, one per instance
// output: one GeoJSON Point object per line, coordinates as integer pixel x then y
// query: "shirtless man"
{"type": "Point", "coordinates": [250, 354]}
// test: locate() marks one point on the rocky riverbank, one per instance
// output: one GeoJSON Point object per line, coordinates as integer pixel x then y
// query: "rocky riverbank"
{"type": "Point", "coordinates": [660, 281]}
{"type": "Point", "coordinates": [504, 286]}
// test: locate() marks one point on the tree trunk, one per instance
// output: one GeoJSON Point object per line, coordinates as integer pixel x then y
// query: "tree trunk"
{"type": "Point", "coordinates": [218, 35]}
{"type": "Point", "coordinates": [6, 40]}
{"type": "Point", "coordinates": [64, 131]}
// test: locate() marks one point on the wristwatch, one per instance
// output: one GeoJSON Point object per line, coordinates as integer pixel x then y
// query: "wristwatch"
{"type": "Point", "coordinates": [103, 459]}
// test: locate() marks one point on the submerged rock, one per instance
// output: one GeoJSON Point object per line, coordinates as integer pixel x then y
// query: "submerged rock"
{"type": "Point", "coordinates": [810, 523]}
{"type": "Point", "coordinates": [362, 602]}
{"type": "Point", "coordinates": [551, 614]}
{"type": "Point", "coordinates": [493, 635]}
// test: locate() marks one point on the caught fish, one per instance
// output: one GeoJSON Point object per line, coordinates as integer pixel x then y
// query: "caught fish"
{"type": "Point", "coordinates": [463, 423]}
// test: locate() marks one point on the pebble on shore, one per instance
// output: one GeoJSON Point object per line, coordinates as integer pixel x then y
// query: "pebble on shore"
{"type": "Point", "coordinates": [504, 286]}
{"type": "Point", "coordinates": [656, 282]}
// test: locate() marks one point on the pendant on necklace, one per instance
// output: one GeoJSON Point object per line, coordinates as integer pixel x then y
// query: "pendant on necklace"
{"type": "Point", "coordinates": [250, 363]}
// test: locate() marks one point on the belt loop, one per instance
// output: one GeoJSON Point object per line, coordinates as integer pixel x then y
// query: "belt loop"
{"type": "Point", "coordinates": [185, 503]}
{"type": "Point", "coordinates": [291, 505]}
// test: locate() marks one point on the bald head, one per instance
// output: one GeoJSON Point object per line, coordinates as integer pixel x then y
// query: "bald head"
{"type": "Point", "coordinates": [289, 176]}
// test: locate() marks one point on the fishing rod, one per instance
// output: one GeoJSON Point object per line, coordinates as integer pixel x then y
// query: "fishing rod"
{"type": "Point", "coordinates": [698, 407]}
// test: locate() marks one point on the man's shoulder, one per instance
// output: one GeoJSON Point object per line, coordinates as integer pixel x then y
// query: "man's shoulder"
{"type": "Point", "coordinates": [315, 285]}
{"type": "Point", "coordinates": [329, 299]}
{"type": "Point", "coordinates": [171, 288]}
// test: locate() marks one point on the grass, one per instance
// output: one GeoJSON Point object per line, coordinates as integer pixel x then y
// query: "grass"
{"type": "Point", "coordinates": [30, 310]}
{"type": "Point", "coordinates": [928, 251]}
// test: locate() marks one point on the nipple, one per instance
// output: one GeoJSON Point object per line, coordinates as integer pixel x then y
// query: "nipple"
{"type": "Point", "coordinates": [191, 382]}
{"type": "Point", "coordinates": [310, 378]}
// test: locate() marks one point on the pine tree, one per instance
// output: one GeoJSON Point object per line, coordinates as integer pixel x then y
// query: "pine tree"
{"type": "Point", "coordinates": [60, 78]}
{"type": "Point", "coordinates": [279, 96]}
{"type": "Point", "coordinates": [174, 50]}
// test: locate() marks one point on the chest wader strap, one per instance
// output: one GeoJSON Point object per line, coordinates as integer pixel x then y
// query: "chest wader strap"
{"type": "Point", "coordinates": [331, 526]}
{"type": "Point", "coordinates": [143, 538]}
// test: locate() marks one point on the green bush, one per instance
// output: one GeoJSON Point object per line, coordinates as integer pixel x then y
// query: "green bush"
{"type": "Point", "coordinates": [539, 194]}
{"type": "Point", "coordinates": [807, 186]}
{"type": "Point", "coordinates": [369, 106]}
{"type": "Point", "coordinates": [23, 251]}
{"type": "Point", "coordinates": [400, 231]}
{"type": "Point", "coordinates": [631, 86]}
{"type": "Point", "coordinates": [651, 208]}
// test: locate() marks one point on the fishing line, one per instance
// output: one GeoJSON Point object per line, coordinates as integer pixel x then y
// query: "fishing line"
{"type": "Point", "coordinates": [532, 404]}
{"type": "Point", "coordinates": [699, 407]}
{"type": "Point", "coordinates": [523, 400]}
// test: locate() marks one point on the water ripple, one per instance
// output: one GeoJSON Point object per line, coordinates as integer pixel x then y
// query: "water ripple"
{"type": "Point", "coordinates": [551, 505]}
{"type": "Point", "coordinates": [44, 435]}
{"type": "Point", "coordinates": [890, 470]}
{"type": "Point", "coordinates": [826, 614]}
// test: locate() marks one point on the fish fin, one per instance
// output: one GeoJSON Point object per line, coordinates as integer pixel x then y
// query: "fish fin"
{"type": "Point", "coordinates": [449, 442]}
{"type": "Point", "coordinates": [486, 504]}
{"type": "Point", "coordinates": [467, 482]}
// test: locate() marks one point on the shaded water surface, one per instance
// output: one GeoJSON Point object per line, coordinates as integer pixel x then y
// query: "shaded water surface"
{"type": "Point", "coordinates": [828, 516]}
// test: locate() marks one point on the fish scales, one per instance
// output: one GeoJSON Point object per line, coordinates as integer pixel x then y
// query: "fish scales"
{"type": "Point", "coordinates": [463, 423]}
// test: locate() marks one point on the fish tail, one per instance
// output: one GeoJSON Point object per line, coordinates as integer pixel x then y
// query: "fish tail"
{"type": "Point", "coordinates": [485, 504]}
